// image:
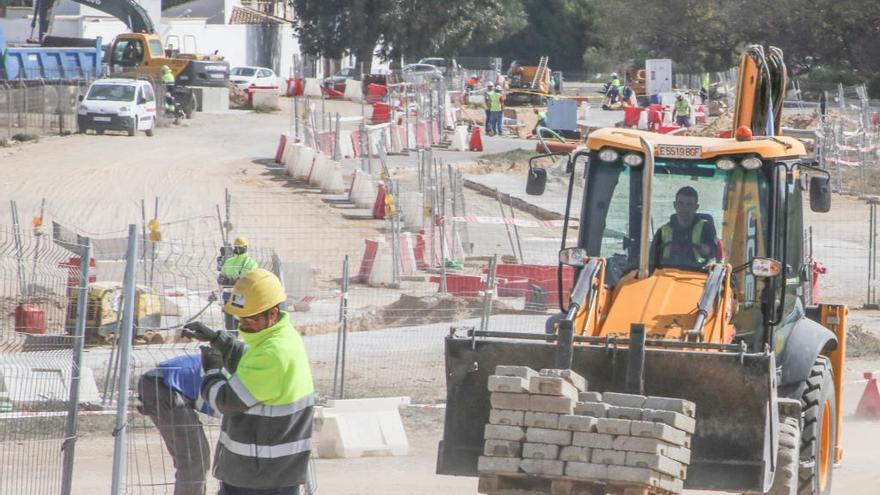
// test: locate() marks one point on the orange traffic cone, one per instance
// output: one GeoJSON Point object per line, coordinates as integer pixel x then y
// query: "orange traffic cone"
{"type": "Point", "coordinates": [476, 143]}
{"type": "Point", "coordinates": [869, 404]}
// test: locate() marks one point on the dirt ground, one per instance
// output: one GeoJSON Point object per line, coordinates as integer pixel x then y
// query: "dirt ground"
{"type": "Point", "coordinates": [96, 184]}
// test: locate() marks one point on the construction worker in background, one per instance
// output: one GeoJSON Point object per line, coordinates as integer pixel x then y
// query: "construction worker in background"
{"type": "Point", "coordinates": [168, 82]}
{"type": "Point", "coordinates": [681, 112]}
{"type": "Point", "coordinates": [689, 238]}
{"type": "Point", "coordinates": [704, 88]}
{"type": "Point", "coordinates": [495, 103]}
{"type": "Point", "coordinates": [489, 89]}
{"type": "Point", "coordinates": [542, 120]}
{"type": "Point", "coordinates": [169, 396]}
{"type": "Point", "coordinates": [268, 399]}
{"type": "Point", "coordinates": [614, 88]}
{"type": "Point", "coordinates": [235, 267]}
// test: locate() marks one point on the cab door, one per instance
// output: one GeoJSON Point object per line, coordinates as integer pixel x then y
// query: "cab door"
{"type": "Point", "coordinates": [146, 107]}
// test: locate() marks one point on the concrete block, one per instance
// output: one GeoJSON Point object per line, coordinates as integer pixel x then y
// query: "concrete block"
{"type": "Point", "coordinates": [520, 371]}
{"type": "Point", "coordinates": [680, 454]}
{"type": "Point", "coordinates": [545, 451]}
{"type": "Point", "coordinates": [613, 426]}
{"type": "Point", "coordinates": [593, 440]}
{"type": "Point", "coordinates": [671, 418]}
{"type": "Point", "coordinates": [502, 448]}
{"type": "Point", "coordinates": [640, 444]}
{"type": "Point", "coordinates": [498, 465]}
{"type": "Point", "coordinates": [671, 483]}
{"type": "Point", "coordinates": [681, 406]}
{"type": "Point", "coordinates": [631, 413]}
{"type": "Point", "coordinates": [573, 453]}
{"type": "Point", "coordinates": [361, 427]}
{"type": "Point", "coordinates": [503, 432]}
{"type": "Point", "coordinates": [594, 409]}
{"type": "Point", "coordinates": [656, 462]}
{"type": "Point", "coordinates": [549, 403]}
{"type": "Point", "coordinates": [541, 420]}
{"type": "Point", "coordinates": [511, 384]}
{"type": "Point", "coordinates": [570, 376]}
{"type": "Point", "coordinates": [589, 397]}
{"type": "Point", "coordinates": [541, 467]}
{"type": "Point", "coordinates": [639, 476]}
{"type": "Point", "coordinates": [546, 435]}
{"type": "Point", "coordinates": [659, 431]}
{"type": "Point", "coordinates": [211, 100]}
{"type": "Point", "coordinates": [265, 97]}
{"type": "Point", "coordinates": [502, 400]}
{"type": "Point", "coordinates": [586, 470]}
{"type": "Point", "coordinates": [574, 422]}
{"type": "Point", "coordinates": [553, 385]}
{"type": "Point", "coordinates": [506, 417]}
{"type": "Point", "coordinates": [605, 456]}
{"type": "Point", "coordinates": [623, 400]}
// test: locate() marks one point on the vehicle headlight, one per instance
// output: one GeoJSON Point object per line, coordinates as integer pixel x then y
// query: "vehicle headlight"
{"type": "Point", "coordinates": [608, 155]}
{"type": "Point", "coordinates": [124, 109]}
{"type": "Point", "coordinates": [751, 163]}
{"type": "Point", "coordinates": [725, 163]}
{"type": "Point", "coordinates": [633, 159]}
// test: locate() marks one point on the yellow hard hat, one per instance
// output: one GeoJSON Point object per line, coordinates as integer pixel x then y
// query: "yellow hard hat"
{"type": "Point", "coordinates": [254, 293]}
{"type": "Point", "coordinates": [240, 242]}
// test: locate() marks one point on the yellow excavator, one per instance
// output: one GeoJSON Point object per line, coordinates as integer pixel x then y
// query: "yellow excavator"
{"type": "Point", "coordinates": [717, 317]}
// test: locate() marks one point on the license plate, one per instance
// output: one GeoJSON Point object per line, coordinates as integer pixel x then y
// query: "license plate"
{"type": "Point", "coordinates": [678, 151]}
{"type": "Point", "coordinates": [215, 68]}
{"type": "Point", "coordinates": [101, 119]}
{"type": "Point", "coordinates": [214, 75]}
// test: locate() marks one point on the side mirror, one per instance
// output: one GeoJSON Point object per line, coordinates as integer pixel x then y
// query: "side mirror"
{"type": "Point", "coordinates": [537, 181]}
{"type": "Point", "coordinates": [142, 101]}
{"type": "Point", "coordinates": [573, 256]}
{"type": "Point", "coordinates": [820, 194]}
{"type": "Point", "coordinates": [79, 98]}
{"type": "Point", "coordinates": [765, 267]}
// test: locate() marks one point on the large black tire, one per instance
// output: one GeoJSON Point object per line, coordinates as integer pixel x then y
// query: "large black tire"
{"type": "Point", "coordinates": [820, 419]}
{"type": "Point", "coordinates": [149, 132]}
{"type": "Point", "coordinates": [132, 127]}
{"type": "Point", "coordinates": [785, 482]}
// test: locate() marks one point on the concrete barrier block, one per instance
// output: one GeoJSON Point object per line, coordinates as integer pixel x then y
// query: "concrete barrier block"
{"type": "Point", "coordinates": [312, 88]}
{"type": "Point", "coordinates": [574, 422]}
{"type": "Point", "coordinates": [613, 426]}
{"type": "Point", "coordinates": [551, 403]}
{"type": "Point", "coordinates": [589, 397]}
{"type": "Point", "coordinates": [517, 402]}
{"type": "Point", "coordinates": [544, 451]}
{"type": "Point", "coordinates": [607, 456]}
{"type": "Point", "coordinates": [631, 413]}
{"type": "Point", "coordinates": [503, 432]}
{"type": "Point", "coordinates": [671, 418]}
{"type": "Point", "coordinates": [541, 419]}
{"type": "Point", "coordinates": [552, 385]}
{"type": "Point", "coordinates": [570, 376]}
{"type": "Point", "coordinates": [211, 100]}
{"type": "Point", "coordinates": [681, 406]}
{"type": "Point", "coordinates": [539, 467]}
{"type": "Point", "coordinates": [659, 431]}
{"type": "Point", "coordinates": [510, 384]}
{"type": "Point", "coordinates": [498, 465]}
{"type": "Point", "coordinates": [593, 440]}
{"type": "Point", "coordinates": [507, 417]}
{"type": "Point", "coordinates": [546, 435]}
{"type": "Point", "coordinates": [595, 409]}
{"type": "Point", "coordinates": [586, 470]}
{"type": "Point", "coordinates": [503, 448]}
{"type": "Point", "coordinates": [572, 453]}
{"type": "Point", "coordinates": [265, 97]}
{"type": "Point", "coordinates": [656, 462]}
{"type": "Point", "coordinates": [520, 371]}
{"type": "Point", "coordinates": [361, 427]}
{"type": "Point", "coordinates": [623, 400]}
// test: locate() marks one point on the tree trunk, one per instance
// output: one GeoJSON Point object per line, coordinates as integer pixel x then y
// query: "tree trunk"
{"type": "Point", "coordinates": [365, 56]}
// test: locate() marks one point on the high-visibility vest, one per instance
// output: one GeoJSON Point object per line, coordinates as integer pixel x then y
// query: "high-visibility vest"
{"type": "Point", "coordinates": [238, 266]}
{"type": "Point", "coordinates": [666, 240]}
{"type": "Point", "coordinates": [682, 108]}
{"type": "Point", "coordinates": [168, 78]}
{"type": "Point", "coordinates": [494, 102]}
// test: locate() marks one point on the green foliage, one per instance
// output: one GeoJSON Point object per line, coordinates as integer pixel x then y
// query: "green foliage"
{"type": "Point", "coordinates": [23, 138]}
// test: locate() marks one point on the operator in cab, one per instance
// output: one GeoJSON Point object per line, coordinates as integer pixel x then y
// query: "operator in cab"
{"type": "Point", "coordinates": [689, 239]}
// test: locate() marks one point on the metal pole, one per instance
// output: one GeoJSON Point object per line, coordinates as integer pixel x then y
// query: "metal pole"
{"type": "Point", "coordinates": [336, 138]}
{"type": "Point", "coordinates": [37, 247]}
{"type": "Point", "coordinates": [506, 225]}
{"type": "Point", "coordinates": [144, 236]}
{"type": "Point", "coordinates": [440, 207]}
{"type": "Point", "coordinates": [69, 446]}
{"type": "Point", "coordinates": [125, 335]}
{"type": "Point", "coordinates": [515, 229]}
{"type": "Point", "coordinates": [338, 392]}
{"type": "Point", "coordinates": [19, 250]}
{"type": "Point", "coordinates": [487, 294]}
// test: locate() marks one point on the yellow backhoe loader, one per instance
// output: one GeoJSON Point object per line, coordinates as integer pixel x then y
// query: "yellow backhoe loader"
{"type": "Point", "coordinates": [719, 321]}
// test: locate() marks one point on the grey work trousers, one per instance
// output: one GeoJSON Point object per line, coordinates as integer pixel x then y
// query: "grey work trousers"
{"type": "Point", "coordinates": [181, 430]}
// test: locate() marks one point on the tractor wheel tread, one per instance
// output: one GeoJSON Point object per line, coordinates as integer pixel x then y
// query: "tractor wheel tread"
{"type": "Point", "coordinates": [818, 387]}
{"type": "Point", "coordinates": [785, 481]}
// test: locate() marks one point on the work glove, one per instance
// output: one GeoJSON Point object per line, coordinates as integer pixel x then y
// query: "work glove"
{"type": "Point", "coordinates": [199, 331]}
{"type": "Point", "coordinates": [212, 360]}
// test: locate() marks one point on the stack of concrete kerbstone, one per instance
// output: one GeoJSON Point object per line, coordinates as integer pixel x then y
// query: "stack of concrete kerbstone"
{"type": "Point", "coordinates": [548, 425]}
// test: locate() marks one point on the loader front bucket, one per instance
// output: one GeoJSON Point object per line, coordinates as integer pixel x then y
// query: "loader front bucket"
{"type": "Point", "coordinates": [734, 393]}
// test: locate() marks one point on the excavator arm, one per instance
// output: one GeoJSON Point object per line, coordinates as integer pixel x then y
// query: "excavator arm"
{"type": "Point", "coordinates": [128, 11]}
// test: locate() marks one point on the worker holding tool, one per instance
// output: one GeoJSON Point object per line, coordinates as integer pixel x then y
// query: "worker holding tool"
{"type": "Point", "coordinates": [235, 267]}
{"type": "Point", "coordinates": [169, 396]}
{"type": "Point", "coordinates": [689, 238]}
{"type": "Point", "coordinates": [682, 111]}
{"type": "Point", "coordinates": [267, 401]}
{"type": "Point", "coordinates": [542, 120]}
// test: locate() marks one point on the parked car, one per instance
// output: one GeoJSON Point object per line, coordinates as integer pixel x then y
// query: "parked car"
{"type": "Point", "coordinates": [253, 77]}
{"type": "Point", "coordinates": [118, 105]}
{"type": "Point", "coordinates": [423, 70]}
{"type": "Point", "coordinates": [442, 64]}
{"type": "Point", "coordinates": [337, 81]}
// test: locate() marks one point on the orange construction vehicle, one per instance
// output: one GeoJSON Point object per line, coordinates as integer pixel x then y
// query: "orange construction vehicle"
{"type": "Point", "coordinates": [689, 282]}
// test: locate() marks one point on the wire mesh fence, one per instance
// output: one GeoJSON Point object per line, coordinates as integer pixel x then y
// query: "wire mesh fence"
{"type": "Point", "coordinates": [39, 107]}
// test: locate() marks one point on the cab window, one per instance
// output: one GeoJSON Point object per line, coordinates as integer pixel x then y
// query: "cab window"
{"type": "Point", "coordinates": [148, 93]}
{"type": "Point", "coordinates": [128, 53]}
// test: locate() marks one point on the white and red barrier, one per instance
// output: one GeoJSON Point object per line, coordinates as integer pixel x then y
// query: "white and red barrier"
{"type": "Point", "coordinates": [312, 88]}
{"type": "Point", "coordinates": [363, 190]}
{"type": "Point", "coordinates": [291, 156]}
{"type": "Point", "coordinates": [304, 161]}
{"type": "Point", "coordinates": [279, 151]}
{"type": "Point", "coordinates": [377, 264]}
{"type": "Point", "coordinates": [353, 90]}
{"type": "Point", "coordinates": [422, 248]}
{"type": "Point", "coordinates": [318, 169]}
{"type": "Point", "coordinates": [331, 182]}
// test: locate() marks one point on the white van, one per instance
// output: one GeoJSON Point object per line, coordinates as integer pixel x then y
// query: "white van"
{"type": "Point", "coordinates": [120, 105]}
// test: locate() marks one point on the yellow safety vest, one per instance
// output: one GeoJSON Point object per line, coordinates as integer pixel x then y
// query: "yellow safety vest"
{"type": "Point", "coordinates": [494, 102]}
{"type": "Point", "coordinates": [666, 239]}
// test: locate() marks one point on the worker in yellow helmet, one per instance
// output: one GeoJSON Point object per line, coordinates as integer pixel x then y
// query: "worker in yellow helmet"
{"type": "Point", "coordinates": [268, 398]}
{"type": "Point", "coordinates": [235, 267]}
